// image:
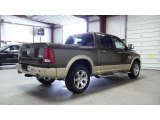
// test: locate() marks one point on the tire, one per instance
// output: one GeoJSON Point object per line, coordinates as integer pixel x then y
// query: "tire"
{"type": "Point", "coordinates": [45, 81]}
{"type": "Point", "coordinates": [135, 70]}
{"type": "Point", "coordinates": [77, 79]}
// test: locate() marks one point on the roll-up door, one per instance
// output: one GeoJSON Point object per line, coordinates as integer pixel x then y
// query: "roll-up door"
{"type": "Point", "coordinates": [144, 33]}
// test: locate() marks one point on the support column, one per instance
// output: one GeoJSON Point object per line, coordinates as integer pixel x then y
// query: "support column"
{"type": "Point", "coordinates": [52, 34]}
{"type": "Point", "coordinates": [33, 34]}
{"type": "Point", "coordinates": [87, 22]}
{"type": "Point", "coordinates": [0, 30]}
{"type": "Point", "coordinates": [102, 23]}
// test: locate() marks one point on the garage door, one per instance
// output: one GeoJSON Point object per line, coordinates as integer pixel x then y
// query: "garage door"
{"type": "Point", "coordinates": [144, 33]}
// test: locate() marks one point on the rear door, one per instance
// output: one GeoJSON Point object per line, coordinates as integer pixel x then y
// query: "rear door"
{"type": "Point", "coordinates": [13, 54]}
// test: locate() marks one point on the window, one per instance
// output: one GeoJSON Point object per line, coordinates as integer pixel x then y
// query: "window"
{"type": "Point", "coordinates": [118, 43]}
{"type": "Point", "coordinates": [83, 40]}
{"type": "Point", "coordinates": [106, 42]}
{"type": "Point", "coordinates": [14, 47]}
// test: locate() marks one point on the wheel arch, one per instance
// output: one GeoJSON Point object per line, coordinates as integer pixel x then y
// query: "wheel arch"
{"type": "Point", "coordinates": [136, 59]}
{"type": "Point", "coordinates": [80, 59]}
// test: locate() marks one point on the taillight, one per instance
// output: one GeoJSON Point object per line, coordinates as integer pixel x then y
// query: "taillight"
{"type": "Point", "coordinates": [48, 55]}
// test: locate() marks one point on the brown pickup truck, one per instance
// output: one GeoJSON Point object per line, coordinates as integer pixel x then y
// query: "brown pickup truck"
{"type": "Point", "coordinates": [82, 56]}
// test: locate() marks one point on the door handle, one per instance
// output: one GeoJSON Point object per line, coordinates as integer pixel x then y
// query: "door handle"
{"type": "Point", "coordinates": [120, 52]}
{"type": "Point", "coordinates": [103, 51]}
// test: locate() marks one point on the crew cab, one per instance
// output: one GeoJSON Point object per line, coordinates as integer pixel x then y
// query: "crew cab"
{"type": "Point", "coordinates": [9, 54]}
{"type": "Point", "coordinates": [82, 56]}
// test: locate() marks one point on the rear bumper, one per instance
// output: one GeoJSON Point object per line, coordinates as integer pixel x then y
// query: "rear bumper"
{"type": "Point", "coordinates": [38, 71]}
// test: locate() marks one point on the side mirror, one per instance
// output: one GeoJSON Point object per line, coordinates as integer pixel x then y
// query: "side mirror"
{"type": "Point", "coordinates": [130, 46]}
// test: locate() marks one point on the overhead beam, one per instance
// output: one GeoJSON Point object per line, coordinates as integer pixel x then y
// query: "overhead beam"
{"type": "Point", "coordinates": [21, 16]}
{"type": "Point", "coordinates": [30, 18]}
{"type": "Point", "coordinates": [83, 16]}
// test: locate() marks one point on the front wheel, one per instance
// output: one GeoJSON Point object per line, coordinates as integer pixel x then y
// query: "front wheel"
{"type": "Point", "coordinates": [135, 70]}
{"type": "Point", "coordinates": [77, 79]}
{"type": "Point", "coordinates": [45, 80]}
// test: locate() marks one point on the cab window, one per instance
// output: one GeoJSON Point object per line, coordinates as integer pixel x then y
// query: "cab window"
{"type": "Point", "coordinates": [83, 40]}
{"type": "Point", "coordinates": [118, 43]}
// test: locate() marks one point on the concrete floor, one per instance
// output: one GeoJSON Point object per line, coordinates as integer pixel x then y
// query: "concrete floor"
{"type": "Point", "coordinates": [17, 89]}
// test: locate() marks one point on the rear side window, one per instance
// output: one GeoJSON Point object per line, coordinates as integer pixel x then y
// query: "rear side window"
{"type": "Point", "coordinates": [106, 42]}
{"type": "Point", "coordinates": [83, 40]}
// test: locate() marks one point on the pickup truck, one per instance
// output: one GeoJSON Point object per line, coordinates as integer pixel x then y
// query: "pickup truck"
{"type": "Point", "coordinates": [82, 56]}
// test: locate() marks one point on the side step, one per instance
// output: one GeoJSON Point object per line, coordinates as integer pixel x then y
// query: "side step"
{"type": "Point", "coordinates": [101, 76]}
{"type": "Point", "coordinates": [28, 75]}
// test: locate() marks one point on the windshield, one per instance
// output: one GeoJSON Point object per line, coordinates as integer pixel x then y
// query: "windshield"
{"type": "Point", "coordinates": [3, 48]}
{"type": "Point", "coordinates": [83, 40]}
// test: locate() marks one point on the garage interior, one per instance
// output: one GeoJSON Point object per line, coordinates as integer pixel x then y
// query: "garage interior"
{"type": "Point", "coordinates": [143, 31]}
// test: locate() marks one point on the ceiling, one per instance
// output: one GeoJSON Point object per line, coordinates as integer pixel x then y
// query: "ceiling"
{"type": "Point", "coordinates": [55, 19]}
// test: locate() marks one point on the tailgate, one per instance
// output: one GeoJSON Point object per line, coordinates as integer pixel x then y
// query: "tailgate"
{"type": "Point", "coordinates": [32, 54]}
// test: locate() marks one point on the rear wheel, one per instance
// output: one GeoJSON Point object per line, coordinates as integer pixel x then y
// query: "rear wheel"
{"type": "Point", "coordinates": [45, 80]}
{"type": "Point", "coordinates": [78, 79]}
{"type": "Point", "coordinates": [135, 70]}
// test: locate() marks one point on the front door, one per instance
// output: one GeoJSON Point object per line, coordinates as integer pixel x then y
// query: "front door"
{"type": "Point", "coordinates": [107, 55]}
{"type": "Point", "coordinates": [121, 54]}
{"type": "Point", "coordinates": [10, 55]}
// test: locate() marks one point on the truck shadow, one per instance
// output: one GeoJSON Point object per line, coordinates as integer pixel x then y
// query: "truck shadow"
{"type": "Point", "coordinates": [57, 92]}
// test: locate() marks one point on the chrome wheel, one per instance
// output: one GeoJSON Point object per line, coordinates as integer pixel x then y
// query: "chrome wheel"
{"type": "Point", "coordinates": [136, 69]}
{"type": "Point", "coordinates": [80, 79]}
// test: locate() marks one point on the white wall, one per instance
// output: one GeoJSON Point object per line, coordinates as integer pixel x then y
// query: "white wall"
{"type": "Point", "coordinates": [115, 25]}
{"type": "Point", "coordinates": [58, 35]}
{"type": "Point", "coordinates": [14, 31]}
{"type": "Point", "coordinates": [72, 29]}
{"type": "Point", "coordinates": [94, 24]}
{"type": "Point", "coordinates": [61, 33]}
